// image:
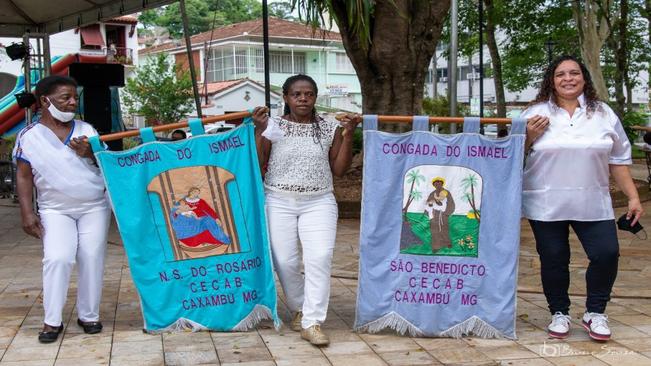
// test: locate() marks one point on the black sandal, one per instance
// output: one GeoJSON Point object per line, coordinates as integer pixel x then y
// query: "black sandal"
{"type": "Point", "coordinates": [90, 327]}
{"type": "Point", "coordinates": [50, 336]}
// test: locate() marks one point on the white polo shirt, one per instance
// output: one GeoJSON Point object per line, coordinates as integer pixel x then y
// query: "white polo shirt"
{"type": "Point", "coordinates": [566, 172]}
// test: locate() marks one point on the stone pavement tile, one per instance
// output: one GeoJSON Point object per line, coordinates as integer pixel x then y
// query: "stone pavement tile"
{"type": "Point", "coordinates": [140, 359]}
{"type": "Point", "coordinates": [390, 342]}
{"type": "Point", "coordinates": [10, 319]}
{"type": "Point", "coordinates": [86, 339]}
{"type": "Point", "coordinates": [528, 333]}
{"type": "Point", "coordinates": [506, 352]}
{"type": "Point", "coordinates": [458, 355]}
{"type": "Point", "coordinates": [646, 329]}
{"type": "Point", "coordinates": [236, 340]}
{"type": "Point", "coordinates": [343, 335]}
{"type": "Point", "coordinates": [85, 350]}
{"type": "Point", "coordinates": [245, 354]}
{"type": "Point", "coordinates": [632, 320]}
{"type": "Point", "coordinates": [622, 331]}
{"type": "Point", "coordinates": [489, 342]}
{"type": "Point", "coordinates": [637, 344]}
{"type": "Point", "coordinates": [440, 343]}
{"type": "Point", "coordinates": [130, 324]}
{"type": "Point", "coordinates": [617, 355]}
{"type": "Point", "coordinates": [82, 361]}
{"type": "Point", "coordinates": [27, 363]}
{"type": "Point", "coordinates": [191, 358]}
{"type": "Point", "coordinates": [187, 342]}
{"type": "Point", "coordinates": [577, 361]}
{"type": "Point", "coordinates": [272, 338]}
{"type": "Point", "coordinates": [45, 352]}
{"type": "Point", "coordinates": [122, 349]}
{"type": "Point", "coordinates": [253, 363]}
{"type": "Point", "coordinates": [408, 358]}
{"type": "Point", "coordinates": [133, 336]}
{"type": "Point", "coordinates": [527, 362]}
{"type": "Point", "coordinates": [335, 323]}
{"type": "Point", "coordinates": [318, 361]}
{"type": "Point", "coordinates": [292, 351]}
{"type": "Point", "coordinates": [8, 332]}
{"type": "Point", "coordinates": [357, 360]}
{"type": "Point", "coordinates": [346, 348]}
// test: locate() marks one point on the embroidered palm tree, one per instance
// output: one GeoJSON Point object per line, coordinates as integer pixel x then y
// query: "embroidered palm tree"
{"type": "Point", "coordinates": [468, 183]}
{"type": "Point", "coordinates": [414, 178]}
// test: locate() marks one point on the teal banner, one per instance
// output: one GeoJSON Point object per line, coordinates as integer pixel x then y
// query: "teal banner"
{"type": "Point", "coordinates": [191, 216]}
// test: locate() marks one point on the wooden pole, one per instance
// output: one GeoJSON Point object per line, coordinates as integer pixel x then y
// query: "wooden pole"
{"type": "Point", "coordinates": [173, 126]}
{"type": "Point", "coordinates": [244, 114]}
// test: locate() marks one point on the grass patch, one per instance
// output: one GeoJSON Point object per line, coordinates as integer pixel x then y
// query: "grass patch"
{"type": "Point", "coordinates": [464, 233]}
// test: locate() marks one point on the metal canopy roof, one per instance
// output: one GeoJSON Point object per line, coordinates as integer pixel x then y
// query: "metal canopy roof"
{"type": "Point", "coordinates": [52, 16]}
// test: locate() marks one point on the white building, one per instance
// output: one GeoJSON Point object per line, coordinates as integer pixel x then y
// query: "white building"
{"type": "Point", "coordinates": [92, 40]}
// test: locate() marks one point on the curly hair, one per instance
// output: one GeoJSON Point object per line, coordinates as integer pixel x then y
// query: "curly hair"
{"type": "Point", "coordinates": [315, 118]}
{"type": "Point", "coordinates": [547, 91]}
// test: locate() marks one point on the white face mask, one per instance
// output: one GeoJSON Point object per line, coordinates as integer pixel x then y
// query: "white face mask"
{"type": "Point", "coordinates": [64, 117]}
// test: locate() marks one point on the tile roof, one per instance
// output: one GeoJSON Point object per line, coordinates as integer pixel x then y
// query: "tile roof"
{"type": "Point", "coordinates": [123, 19]}
{"type": "Point", "coordinates": [278, 28]}
{"type": "Point", "coordinates": [214, 88]}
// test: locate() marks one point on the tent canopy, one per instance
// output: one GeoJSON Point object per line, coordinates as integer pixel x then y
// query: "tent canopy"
{"type": "Point", "coordinates": [46, 16]}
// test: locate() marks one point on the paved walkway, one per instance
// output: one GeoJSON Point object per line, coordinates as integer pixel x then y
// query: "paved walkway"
{"type": "Point", "coordinates": [123, 343]}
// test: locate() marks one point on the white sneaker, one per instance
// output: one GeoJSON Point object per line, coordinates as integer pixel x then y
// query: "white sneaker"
{"type": "Point", "coordinates": [560, 325]}
{"type": "Point", "coordinates": [597, 326]}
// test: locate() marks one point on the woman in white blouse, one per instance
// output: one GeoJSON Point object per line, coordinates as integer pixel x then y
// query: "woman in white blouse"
{"type": "Point", "coordinates": [575, 142]}
{"type": "Point", "coordinates": [301, 151]}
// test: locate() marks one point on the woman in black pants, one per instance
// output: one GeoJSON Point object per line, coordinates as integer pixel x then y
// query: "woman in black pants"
{"type": "Point", "coordinates": [574, 143]}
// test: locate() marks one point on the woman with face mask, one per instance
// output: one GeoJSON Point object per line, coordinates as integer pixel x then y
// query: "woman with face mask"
{"type": "Point", "coordinates": [73, 216]}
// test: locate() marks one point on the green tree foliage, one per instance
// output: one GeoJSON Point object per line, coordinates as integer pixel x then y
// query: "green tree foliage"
{"type": "Point", "coordinates": [201, 14]}
{"type": "Point", "coordinates": [160, 92]}
{"type": "Point", "coordinates": [281, 10]}
{"type": "Point", "coordinates": [529, 25]}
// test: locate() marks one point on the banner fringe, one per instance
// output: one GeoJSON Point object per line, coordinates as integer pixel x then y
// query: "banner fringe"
{"type": "Point", "coordinates": [393, 321]}
{"type": "Point", "coordinates": [181, 325]}
{"type": "Point", "coordinates": [258, 314]}
{"type": "Point", "coordinates": [473, 325]}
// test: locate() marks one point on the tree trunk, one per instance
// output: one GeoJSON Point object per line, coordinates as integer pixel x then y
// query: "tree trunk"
{"type": "Point", "coordinates": [622, 52]}
{"type": "Point", "coordinates": [593, 29]}
{"type": "Point", "coordinates": [617, 42]}
{"type": "Point", "coordinates": [496, 61]}
{"type": "Point", "coordinates": [647, 15]}
{"type": "Point", "coordinates": [392, 68]}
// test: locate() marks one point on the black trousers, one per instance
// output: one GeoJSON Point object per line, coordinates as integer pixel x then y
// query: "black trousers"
{"type": "Point", "coordinates": [599, 240]}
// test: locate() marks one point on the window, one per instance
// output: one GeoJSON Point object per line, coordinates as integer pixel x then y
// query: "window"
{"type": "Point", "coordinates": [226, 63]}
{"type": "Point", "coordinates": [343, 63]}
{"type": "Point", "coordinates": [280, 61]}
{"type": "Point", "coordinates": [258, 56]}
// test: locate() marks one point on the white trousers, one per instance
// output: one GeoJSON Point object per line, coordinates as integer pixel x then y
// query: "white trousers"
{"type": "Point", "coordinates": [79, 238]}
{"type": "Point", "coordinates": [313, 221]}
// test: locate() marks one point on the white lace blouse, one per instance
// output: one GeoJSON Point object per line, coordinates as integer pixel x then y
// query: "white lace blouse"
{"type": "Point", "coordinates": [299, 161]}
